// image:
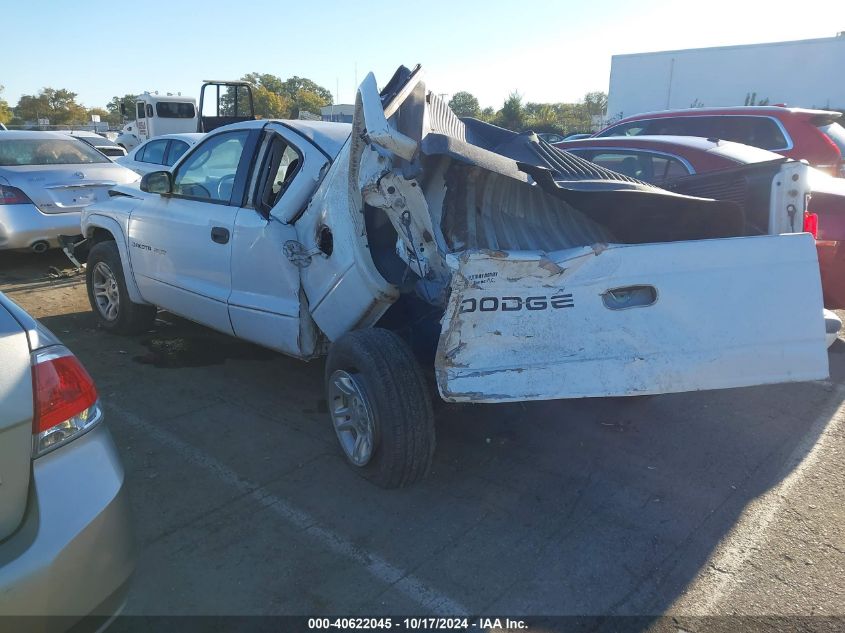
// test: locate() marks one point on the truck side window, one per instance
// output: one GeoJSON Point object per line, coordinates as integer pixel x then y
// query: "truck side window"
{"type": "Point", "coordinates": [139, 108]}
{"type": "Point", "coordinates": [278, 169]}
{"type": "Point", "coordinates": [149, 111]}
{"type": "Point", "coordinates": [209, 172]}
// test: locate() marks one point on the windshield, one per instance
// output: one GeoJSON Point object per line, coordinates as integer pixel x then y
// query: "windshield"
{"type": "Point", "coordinates": [175, 110]}
{"type": "Point", "coordinates": [47, 151]}
{"type": "Point", "coordinates": [835, 133]}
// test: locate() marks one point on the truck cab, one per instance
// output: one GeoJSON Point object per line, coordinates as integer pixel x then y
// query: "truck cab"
{"type": "Point", "coordinates": [164, 114]}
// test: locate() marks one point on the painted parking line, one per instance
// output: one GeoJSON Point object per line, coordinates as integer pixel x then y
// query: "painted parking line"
{"type": "Point", "coordinates": [430, 600]}
{"type": "Point", "coordinates": [722, 572]}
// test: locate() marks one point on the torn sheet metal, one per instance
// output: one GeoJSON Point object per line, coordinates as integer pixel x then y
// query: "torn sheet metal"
{"type": "Point", "coordinates": [627, 320]}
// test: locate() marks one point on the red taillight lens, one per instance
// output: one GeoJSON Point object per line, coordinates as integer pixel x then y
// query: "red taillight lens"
{"type": "Point", "coordinates": [811, 224]}
{"type": "Point", "coordinates": [13, 195]}
{"type": "Point", "coordinates": [65, 398]}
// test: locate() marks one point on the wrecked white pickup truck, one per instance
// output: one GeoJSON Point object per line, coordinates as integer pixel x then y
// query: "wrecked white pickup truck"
{"type": "Point", "coordinates": [415, 241]}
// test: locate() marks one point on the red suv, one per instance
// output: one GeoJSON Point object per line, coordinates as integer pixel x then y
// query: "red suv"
{"type": "Point", "coordinates": [812, 135]}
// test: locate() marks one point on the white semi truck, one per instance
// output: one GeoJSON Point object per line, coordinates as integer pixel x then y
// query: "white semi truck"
{"type": "Point", "coordinates": [155, 114]}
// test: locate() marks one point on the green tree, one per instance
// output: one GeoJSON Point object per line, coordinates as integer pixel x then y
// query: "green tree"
{"type": "Point", "coordinates": [5, 110]}
{"type": "Point", "coordinates": [271, 105]}
{"type": "Point", "coordinates": [595, 103]}
{"type": "Point", "coordinates": [293, 86]}
{"type": "Point", "coordinates": [308, 101]}
{"type": "Point", "coordinates": [512, 114]}
{"type": "Point", "coordinates": [59, 106]}
{"type": "Point", "coordinates": [115, 117]}
{"type": "Point", "coordinates": [101, 112]}
{"type": "Point", "coordinates": [279, 98]}
{"type": "Point", "coordinates": [465, 104]}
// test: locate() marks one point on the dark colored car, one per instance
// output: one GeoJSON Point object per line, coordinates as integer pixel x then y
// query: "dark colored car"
{"type": "Point", "coordinates": [812, 135]}
{"type": "Point", "coordinates": [101, 144]}
{"type": "Point", "coordinates": [663, 160]}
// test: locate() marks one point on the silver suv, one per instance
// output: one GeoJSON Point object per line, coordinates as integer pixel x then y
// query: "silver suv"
{"type": "Point", "coordinates": [66, 543]}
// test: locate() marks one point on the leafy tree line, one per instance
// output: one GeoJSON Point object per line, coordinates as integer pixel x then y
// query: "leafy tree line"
{"type": "Point", "coordinates": [273, 97]}
{"type": "Point", "coordinates": [562, 118]}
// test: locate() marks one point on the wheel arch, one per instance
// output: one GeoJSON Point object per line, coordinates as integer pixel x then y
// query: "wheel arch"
{"type": "Point", "coordinates": [99, 228]}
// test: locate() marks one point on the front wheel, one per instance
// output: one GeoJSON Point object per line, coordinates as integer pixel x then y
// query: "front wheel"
{"type": "Point", "coordinates": [380, 407]}
{"type": "Point", "coordinates": [108, 295]}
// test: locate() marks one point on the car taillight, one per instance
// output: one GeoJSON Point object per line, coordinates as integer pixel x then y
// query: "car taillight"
{"type": "Point", "coordinates": [811, 224]}
{"type": "Point", "coordinates": [13, 195]}
{"type": "Point", "coordinates": [64, 397]}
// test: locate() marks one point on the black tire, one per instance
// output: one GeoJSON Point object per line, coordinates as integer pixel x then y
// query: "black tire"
{"type": "Point", "coordinates": [398, 398]}
{"type": "Point", "coordinates": [131, 318]}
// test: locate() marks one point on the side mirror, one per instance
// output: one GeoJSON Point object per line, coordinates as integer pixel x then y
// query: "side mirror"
{"type": "Point", "coordinates": [123, 109]}
{"type": "Point", "coordinates": [157, 182]}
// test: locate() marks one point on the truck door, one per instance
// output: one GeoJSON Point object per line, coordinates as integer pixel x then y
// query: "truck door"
{"type": "Point", "coordinates": [265, 305]}
{"type": "Point", "coordinates": [141, 120]}
{"type": "Point", "coordinates": [224, 102]}
{"type": "Point", "coordinates": [180, 244]}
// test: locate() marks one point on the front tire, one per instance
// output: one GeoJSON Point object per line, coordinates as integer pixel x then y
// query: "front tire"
{"type": "Point", "coordinates": [108, 296]}
{"type": "Point", "coordinates": [380, 407]}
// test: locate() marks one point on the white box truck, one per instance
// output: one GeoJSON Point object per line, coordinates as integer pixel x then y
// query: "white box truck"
{"type": "Point", "coordinates": [802, 73]}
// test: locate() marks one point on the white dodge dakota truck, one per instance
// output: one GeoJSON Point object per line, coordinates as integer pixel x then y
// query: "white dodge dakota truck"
{"type": "Point", "coordinates": [413, 244]}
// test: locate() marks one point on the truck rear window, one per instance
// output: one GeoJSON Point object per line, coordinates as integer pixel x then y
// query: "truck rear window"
{"type": "Point", "coordinates": [175, 110]}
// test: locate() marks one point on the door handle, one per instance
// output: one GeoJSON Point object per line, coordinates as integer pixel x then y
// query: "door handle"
{"type": "Point", "coordinates": [219, 234]}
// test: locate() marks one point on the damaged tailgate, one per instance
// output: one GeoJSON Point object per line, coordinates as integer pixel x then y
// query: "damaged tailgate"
{"type": "Point", "coordinates": [627, 320]}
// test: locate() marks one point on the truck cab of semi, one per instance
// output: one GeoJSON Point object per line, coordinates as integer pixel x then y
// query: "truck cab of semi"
{"type": "Point", "coordinates": [221, 103]}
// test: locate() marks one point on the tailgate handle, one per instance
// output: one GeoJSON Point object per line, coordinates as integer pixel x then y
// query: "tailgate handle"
{"type": "Point", "coordinates": [629, 297]}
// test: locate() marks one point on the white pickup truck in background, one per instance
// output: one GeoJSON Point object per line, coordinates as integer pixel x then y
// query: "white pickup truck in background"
{"type": "Point", "coordinates": [415, 245]}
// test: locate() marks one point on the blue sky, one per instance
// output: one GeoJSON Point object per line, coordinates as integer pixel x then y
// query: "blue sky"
{"type": "Point", "coordinates": [548, 51]}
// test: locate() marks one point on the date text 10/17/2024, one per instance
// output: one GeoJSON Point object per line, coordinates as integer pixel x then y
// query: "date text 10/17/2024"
{"type": "Point", "coordinates": [489, 625]}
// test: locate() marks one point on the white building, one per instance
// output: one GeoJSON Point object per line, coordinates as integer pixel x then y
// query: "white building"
{"type": "Point", "coordinates": [805, 73]}
{"type": "Point", "coordinates": [341, 112]}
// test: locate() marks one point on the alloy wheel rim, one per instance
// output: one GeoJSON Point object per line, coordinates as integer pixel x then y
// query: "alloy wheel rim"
{"type": "Point", "coordinates": [352, 417]}
{"type": "Point", "coordinates": [106, 292]}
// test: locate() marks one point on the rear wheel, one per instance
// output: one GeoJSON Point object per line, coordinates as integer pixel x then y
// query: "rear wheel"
{"type": "Point", "coordinates": [108, 295]}
{"type": "Point", "coordinates": [380, 407]}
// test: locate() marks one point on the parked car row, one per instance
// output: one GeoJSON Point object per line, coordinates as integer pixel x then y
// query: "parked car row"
{"type": "Point", "coordinates": [798, 133]}
{"type": "Point", "coordinates": [46, 179]}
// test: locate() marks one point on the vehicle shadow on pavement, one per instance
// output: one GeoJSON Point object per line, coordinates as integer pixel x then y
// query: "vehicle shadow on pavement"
{"type": "Point", "coordinates": [591, 507]}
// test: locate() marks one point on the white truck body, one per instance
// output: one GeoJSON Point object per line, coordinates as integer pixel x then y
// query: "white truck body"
{"type": "Point", "coordinates": [543, 290]}
{"type": "Point", "coordinates": [164, 114]}
{"type": "Point", "coordinates": [156, 115]}
{"type": "Point", "coordinates": [727, 75]}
